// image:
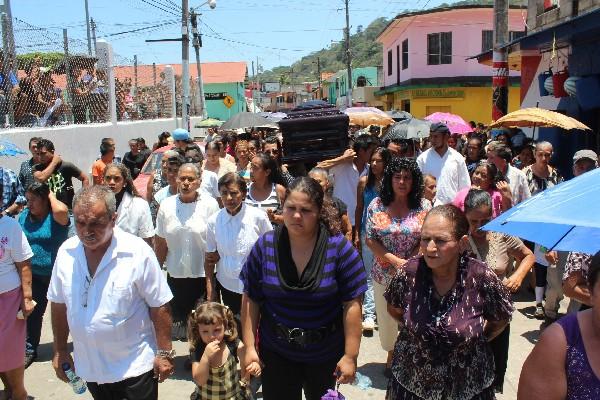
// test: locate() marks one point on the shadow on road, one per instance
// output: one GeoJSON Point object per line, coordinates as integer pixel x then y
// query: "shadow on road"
{"type": "Point", "coordinates": [532, 336]}
{"type": "Point", "coordinates": [375, 372]}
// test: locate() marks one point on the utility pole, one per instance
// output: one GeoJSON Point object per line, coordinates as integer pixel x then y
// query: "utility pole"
{"type": "Point", "coordinates": [185, 64]}
{"type": "Point", "coordinates": [500, 60]}
{"type": "Point", "coordinates": [94, 42]}
{"type": "Point", "coordinates": [348, 58]}
{"type": "Point", "coordinates": [319, 76]}
{"type": "Point", "coordinates": [257, 84]}
{"type": "Point", "coordinates": [197, 43]}
{"type": "Point", "coordinates": [135, 75]}
{"type": "Point", "coordinates": [9, 61]}
{"type": "Point", "coordinates": [154, 74]}
{"type": "Point", "coordinates": [87, 25]}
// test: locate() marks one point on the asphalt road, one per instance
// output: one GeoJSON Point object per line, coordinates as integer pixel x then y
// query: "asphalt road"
{"type": "Point", "coordinates": [42, 384]}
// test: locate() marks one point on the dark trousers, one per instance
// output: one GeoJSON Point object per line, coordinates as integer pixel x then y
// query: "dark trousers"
{"type": "Point", "coordinates": [143, 387]}
{"type": "Point", "coordinates": [232, 300]}
{"type": "Point", "coordinates": [499, 346]}
{"type": "Point", "coordinates": [186, 294]}
{"type": "Point", "coordinates": [540, 275]}
{"type": "Point", "coordinates": [285, 379]}
{"type": "Point", "coordinates": [39, 288]}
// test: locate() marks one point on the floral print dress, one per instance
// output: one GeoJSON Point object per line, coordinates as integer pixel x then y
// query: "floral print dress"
{"type": "Point", "coordinates": [441, 352]}
{"type": "Point", "coordinates": [400, 236]}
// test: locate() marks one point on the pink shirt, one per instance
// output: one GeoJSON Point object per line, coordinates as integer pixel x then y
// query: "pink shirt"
{"type": "Point", "coordinates": [459, 200]}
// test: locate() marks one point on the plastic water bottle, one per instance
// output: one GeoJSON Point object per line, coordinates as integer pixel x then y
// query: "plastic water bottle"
{"type": "Point", "coordinates": [78, 384]}
{"type": "Point", "coordinates": [362, 381]}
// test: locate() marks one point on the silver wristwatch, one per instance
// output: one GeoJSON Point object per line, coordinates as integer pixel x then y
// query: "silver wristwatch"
{"type": "Point", "coordinates": [168, 354]}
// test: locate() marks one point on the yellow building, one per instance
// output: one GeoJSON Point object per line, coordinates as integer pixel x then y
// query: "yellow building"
{"type": "Point", "coordinates": [471, 103]}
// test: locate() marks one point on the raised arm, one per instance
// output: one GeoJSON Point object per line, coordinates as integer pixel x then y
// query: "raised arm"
{"type": "Point", "coordinates": [42, 176]}
{"type": "Point", "coordinates": [348, 155]}
{"type": "Point", "coordinates": [60, 211]}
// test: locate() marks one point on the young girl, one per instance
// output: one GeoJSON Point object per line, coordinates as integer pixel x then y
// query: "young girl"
{"type": "Point", "coordinates": [213, 336]}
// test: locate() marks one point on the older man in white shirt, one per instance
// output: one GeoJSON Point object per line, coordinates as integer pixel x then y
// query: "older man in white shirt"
{"type": "Point", "coordinates": [501, 156]}
{"type": "Point", "coordinates": [445, 164]}
{"type": "Point", "coordinates": [108, 292]}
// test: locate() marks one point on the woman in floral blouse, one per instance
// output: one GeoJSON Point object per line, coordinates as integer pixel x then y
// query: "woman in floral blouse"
{"type": "Point", "coordinates": [393, 231]}
{"type": "Point", "coordinates": [448, 306]}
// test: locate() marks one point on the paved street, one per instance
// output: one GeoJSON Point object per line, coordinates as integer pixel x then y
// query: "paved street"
{"type": "Point", "coordinates": [42, 383]}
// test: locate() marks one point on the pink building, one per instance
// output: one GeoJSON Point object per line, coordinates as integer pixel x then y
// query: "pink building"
{"type": "Point", "coordinates": [427, 63]}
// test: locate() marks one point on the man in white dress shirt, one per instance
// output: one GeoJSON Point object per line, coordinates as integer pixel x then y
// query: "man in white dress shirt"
{"type": "Point", "coordinates": [501, 156]}
{"type": "Point", "coordinates": [108, 292]}
{"type": "Point", "coordinates": [445, 164]}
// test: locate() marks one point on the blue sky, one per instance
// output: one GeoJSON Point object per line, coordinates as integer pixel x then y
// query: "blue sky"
{"type": "Point", "coordinates": [278, 32]}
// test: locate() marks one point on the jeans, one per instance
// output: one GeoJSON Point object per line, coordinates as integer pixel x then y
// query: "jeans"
{"type": "Point", "coordinates": [369, 300]}
{"type": "Point", "coordinates": [39, 288]}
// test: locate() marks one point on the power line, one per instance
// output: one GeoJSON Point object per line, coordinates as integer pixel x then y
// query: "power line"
{"type": "Point", "coordinates": [140, 29]}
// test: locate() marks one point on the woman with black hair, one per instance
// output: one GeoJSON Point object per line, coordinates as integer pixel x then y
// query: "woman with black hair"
{"type": "Point", "coordinates": [163, 140]}
{"type": "Point", "coordinates": [45, 223]}
{"type": "Point", "coordinates": [133, 212]}
{"type": "Point", "coordinates": [499, 252]}
{"type": "Point", "coordinates": [449, 306]}
{"type": "Point", "coordinates": [368, 189]}
{"type": "Point", "coordinates": [304, 282]}
{"type": "Point", "coordinates": [265, 190]}
{"type": "Point", "coordinates": [393, 230]}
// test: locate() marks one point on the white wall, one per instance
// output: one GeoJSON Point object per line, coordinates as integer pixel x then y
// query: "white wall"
{"type": "Point", "coordinates": [80, 144]}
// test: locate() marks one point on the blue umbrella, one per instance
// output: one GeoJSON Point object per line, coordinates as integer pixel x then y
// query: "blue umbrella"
{"type": "Point", "coordinates": [9, 149]}
{"type": "Point", "coordinates": [564, 217]}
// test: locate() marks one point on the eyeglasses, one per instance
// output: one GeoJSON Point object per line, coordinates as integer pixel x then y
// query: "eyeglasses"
{"type": "Point", "coordinates": [86, 290]}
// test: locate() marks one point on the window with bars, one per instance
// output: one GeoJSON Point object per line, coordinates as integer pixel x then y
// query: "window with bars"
{"type": "Point", "coordinates": [439, 48]}
{"type": "Point", "coordinates": [390, 63]}
{"type": "Point", "coordinates": [405, 54]}
{"type": "Point", "coordinates": [487, 41]}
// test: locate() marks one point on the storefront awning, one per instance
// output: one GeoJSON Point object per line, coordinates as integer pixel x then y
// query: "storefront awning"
{"type": "Point", "coordinates": [582, 28]}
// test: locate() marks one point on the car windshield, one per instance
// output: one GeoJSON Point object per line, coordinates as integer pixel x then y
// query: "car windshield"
{"type": "Point", "coordinates": [153, 163]}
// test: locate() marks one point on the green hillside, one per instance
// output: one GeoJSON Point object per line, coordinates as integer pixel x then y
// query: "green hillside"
{"type": "Point", "coordinates": [366, 52]}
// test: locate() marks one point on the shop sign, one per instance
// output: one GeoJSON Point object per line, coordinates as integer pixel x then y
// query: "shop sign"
{"type": "Point", "coordinates": [215, 96]}
{"type": "Point", "coordinates": [438, 93]}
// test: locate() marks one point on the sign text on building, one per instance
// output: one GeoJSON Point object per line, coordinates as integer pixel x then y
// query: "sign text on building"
{"type": "Point", "coordinates": [437, 93]}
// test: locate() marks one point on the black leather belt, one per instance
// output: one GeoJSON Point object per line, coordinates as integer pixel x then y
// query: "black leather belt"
{"type": "Point", "coordinates": [303, 337]}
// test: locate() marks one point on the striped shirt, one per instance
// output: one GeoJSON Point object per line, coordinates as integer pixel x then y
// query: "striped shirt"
{"type": "Point", "coordinates": [270, 202]}
{"type": "Point", "coordinates": [343, 279]}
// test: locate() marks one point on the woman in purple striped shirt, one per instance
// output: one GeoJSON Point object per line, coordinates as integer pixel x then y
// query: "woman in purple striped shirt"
{"type": "Point", "coordinates": [304, 282]}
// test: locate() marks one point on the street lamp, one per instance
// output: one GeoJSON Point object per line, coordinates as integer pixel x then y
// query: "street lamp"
{"type": "Point", "coordinates": [197, 43]}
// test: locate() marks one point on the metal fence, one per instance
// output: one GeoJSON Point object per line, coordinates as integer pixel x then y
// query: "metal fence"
{"type": "Point", "coordinates": [48, 79]}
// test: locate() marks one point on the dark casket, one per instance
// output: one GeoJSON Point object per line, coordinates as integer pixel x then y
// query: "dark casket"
{"type": "Point", "coordinates": [313, 132]}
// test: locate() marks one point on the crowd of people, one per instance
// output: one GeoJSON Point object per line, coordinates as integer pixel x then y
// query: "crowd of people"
{"type": "Point", "coordinates": [42, 96]}
{"type": "Point", "coordinates": [273, 276]}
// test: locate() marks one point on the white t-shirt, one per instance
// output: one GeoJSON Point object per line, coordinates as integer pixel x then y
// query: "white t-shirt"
{"type": "Point", "coordinates": [233, 236]}
{"type": "Point", "coordinates": [183, 226]}
{"type": "Point", "coordinates": [345, 184]}
{"type": "Point", "coordinates": [109, 314]}
{"type": "Point", "coordinates": [133, 216]}
{"type": "Point", "coordinates": [210, 184]}
{"type": "Point", "coordinates": [450, 170]}
{"type": "Point", "coordinates": [13, 248]}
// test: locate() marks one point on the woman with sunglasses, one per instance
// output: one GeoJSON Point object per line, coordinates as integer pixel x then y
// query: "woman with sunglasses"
{"type": "Point", "coordinates": [498, 251]}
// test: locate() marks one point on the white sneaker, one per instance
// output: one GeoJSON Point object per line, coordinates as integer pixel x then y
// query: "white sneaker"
{"type": "Point", "coordinates": [368, 325]}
